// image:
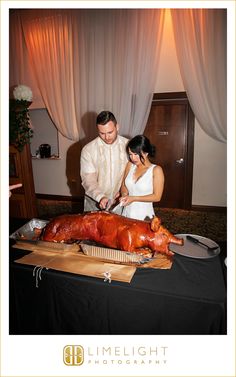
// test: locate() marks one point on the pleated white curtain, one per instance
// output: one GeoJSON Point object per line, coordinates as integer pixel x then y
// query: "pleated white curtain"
{"type": "Point", "coordinates": [50, 38]}
{"type": "Point", "coordinates": [201, 43]}
{"type": "Point", "coordinates": [20, 71]}
{"type": "Point", "coordinates": [120, 61]}
{"type": "Point", "coordinates": [85, 61]}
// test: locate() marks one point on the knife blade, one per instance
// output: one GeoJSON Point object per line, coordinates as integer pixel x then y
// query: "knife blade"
{"type": "Point", "coordinates": [196, 241]}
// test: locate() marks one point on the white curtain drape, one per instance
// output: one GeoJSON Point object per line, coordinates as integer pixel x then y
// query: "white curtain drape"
{"type": "Point", "coordinates": [85, 61]}
{"type": "Point", "coordinates": [20, 71]}
{"type": "Point", "coordinates": [50, 38]}
{"type": "Point", "coordinates": [201, 43]}
{"type": "Point", "coordinates": [120, 63]}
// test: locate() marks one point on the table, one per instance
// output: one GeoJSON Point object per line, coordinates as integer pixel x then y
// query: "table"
{"type": "Point", "coordinates": [190, 298]}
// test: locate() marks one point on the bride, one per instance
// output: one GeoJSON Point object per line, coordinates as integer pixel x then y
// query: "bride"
{"type": "Point", "coordinates": [143, 182]}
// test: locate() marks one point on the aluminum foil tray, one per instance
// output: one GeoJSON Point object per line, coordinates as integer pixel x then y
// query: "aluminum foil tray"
{"type": "Point", "coordinates": [112, 254]}
{"type": "Point", "coordinates": [27, 232]}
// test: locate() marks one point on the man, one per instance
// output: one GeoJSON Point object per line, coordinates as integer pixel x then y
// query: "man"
{"type": "Point", "coordinates": [102, 163]}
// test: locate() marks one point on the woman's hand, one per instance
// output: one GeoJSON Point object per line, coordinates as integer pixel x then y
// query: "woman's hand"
{"type": "Point", "coordinates": [126, 200]}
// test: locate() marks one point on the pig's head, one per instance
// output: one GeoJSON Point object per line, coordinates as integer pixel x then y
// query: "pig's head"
{"type": "Point", "coordinates": [161, 237]}
{"type": "Point", "coordinates": [54, 231]}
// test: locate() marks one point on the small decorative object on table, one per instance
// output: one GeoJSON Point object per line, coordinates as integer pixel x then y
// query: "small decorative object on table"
{"type": "Point", "coordinates": [19, 122]}
{"type": "Point", "coordinates": [45, 151]}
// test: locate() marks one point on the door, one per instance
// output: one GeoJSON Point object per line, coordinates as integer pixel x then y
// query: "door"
{"type": "Point", "coordinates": [170, 128]}
{"type": "Point", "coordinates": [22, 203]}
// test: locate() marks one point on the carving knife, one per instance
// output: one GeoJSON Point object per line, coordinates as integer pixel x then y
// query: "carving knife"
{"type": "Point", "coordinates": [196, 241]}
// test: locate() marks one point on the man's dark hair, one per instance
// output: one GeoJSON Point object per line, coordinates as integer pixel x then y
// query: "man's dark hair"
{"type": "Point", "coordinates": [104, 117]}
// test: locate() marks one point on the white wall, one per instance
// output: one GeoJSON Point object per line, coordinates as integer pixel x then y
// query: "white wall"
{"type": "Point", "coordinates": [50, 176]}
{"type": "Point", "coordinates": [209, 173]}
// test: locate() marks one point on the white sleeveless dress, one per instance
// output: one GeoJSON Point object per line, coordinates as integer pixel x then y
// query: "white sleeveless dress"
{"type": "Point", "coordinates": [140, 187]}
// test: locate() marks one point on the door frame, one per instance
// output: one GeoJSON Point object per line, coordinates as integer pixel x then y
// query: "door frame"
{"type": "Point", "coordinates": [23, 199]}
{"type": "Point", "coordinates": [181, 98]}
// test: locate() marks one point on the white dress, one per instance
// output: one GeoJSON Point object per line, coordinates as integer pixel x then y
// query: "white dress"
{"type": "Point", "coordinates": [142, 186]}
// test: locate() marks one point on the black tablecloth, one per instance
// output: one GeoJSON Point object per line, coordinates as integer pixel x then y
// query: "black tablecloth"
{"type": "Point", "coordinates": [190, 298]}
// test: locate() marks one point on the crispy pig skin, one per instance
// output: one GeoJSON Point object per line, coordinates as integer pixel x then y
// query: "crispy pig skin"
{"type": "Point", "coordinates": [113, 231]}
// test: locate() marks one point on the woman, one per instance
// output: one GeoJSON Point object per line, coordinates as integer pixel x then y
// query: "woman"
{"type": "Point", "coordinates": [143, 182]}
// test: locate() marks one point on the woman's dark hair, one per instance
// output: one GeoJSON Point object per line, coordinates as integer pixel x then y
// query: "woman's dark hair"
{"type": "Point", "coordinates": [139, 144]}
{"type": "Point", "coordinates": [104, 117]}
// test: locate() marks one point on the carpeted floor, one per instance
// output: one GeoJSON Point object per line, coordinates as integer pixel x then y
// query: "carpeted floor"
{"type": "Point", "coordinates": [51, 208]}
{"type": "Point", "coordinates": [204, 223]}
{"type": "Point", "coordinates": [212, 225]}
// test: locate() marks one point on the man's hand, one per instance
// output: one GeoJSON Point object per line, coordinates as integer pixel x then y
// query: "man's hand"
{"type": "Point", "coordinates": [117, 195]}
{"type": "Point", "coordinates": [103, 202]}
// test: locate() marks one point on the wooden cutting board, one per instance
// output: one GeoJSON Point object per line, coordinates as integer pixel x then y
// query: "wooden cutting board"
{"type": "Point", "coordinates": [78, 264]}
{"type": "Point", "coordinates": [47, 246]}
{"type": "Point", "coordinates": [42, 253]}
{"type": "Point", "coordinates": [55, 249]}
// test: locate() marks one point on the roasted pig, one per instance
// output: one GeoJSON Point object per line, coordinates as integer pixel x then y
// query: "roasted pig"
{"type": "Point", "coordinates": [113, 231]}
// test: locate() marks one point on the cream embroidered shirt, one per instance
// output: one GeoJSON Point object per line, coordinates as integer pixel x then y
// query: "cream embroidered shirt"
{"type": "Point", "coordinates": [102, 167]}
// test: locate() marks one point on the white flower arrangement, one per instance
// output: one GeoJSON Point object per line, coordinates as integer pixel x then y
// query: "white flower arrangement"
{"type": "Point", "coordinates": [20, 130]}
{"type": "Point", "coordinates": [23, 93]}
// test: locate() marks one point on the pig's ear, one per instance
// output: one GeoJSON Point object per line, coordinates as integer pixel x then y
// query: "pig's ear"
{"type": "Point", "coordinates": [155, 224]}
